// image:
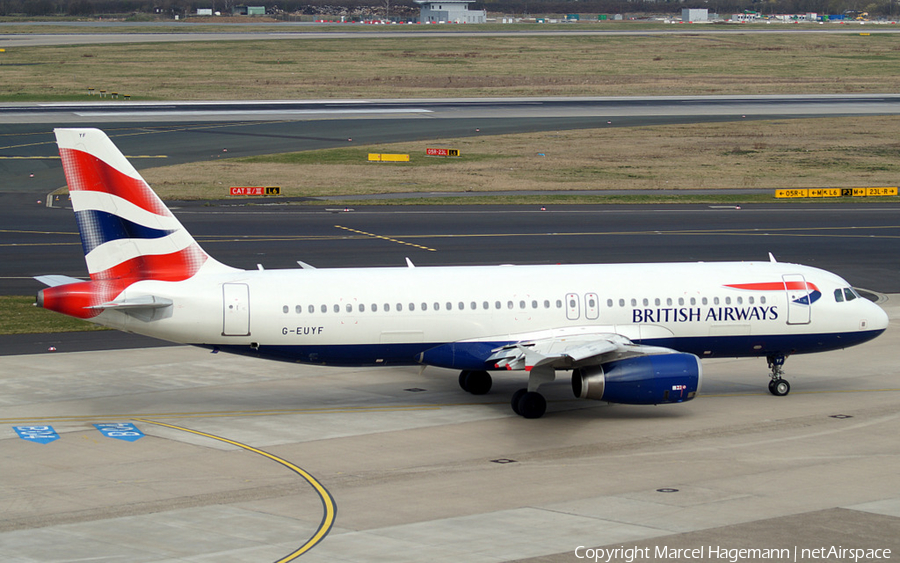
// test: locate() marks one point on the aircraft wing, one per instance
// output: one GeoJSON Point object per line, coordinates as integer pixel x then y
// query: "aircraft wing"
{"type": "Point", "coordinates": [568, 352]}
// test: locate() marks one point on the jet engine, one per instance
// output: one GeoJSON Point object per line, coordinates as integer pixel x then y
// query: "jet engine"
{"type": "Point", "coordinates": [644, 380]}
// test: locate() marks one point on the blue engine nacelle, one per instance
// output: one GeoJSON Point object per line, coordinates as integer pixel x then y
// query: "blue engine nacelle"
{"type": "Point", "coordinates": [644, 380]}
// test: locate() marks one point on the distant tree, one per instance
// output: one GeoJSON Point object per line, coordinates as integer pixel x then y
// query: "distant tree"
{"type": "Point", "coordinates": [80, 8]}
{"type": "Point", "coordinates": [38, 8]}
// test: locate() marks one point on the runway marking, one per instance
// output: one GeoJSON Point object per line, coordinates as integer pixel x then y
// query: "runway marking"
{"type": "Point", "coordinates": [328, 504]}
{"type": "Point", "coordinates": [386, 238]}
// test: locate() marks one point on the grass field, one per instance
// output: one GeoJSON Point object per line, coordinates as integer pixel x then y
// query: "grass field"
{"type": "Point", "coordinates": [18, 315]}
{"type": "Point", "coordinates": [606, 65]}
{"type": "Point", "coordinates": [801, 153]}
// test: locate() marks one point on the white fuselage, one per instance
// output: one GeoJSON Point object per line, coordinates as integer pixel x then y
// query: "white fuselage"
{"type": "Point", "coordinates": [379, 316]}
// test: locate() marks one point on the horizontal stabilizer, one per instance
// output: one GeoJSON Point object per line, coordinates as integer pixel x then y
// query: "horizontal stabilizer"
{"type": "Point", "coordinates": [145, 302]}
{"type": "Point", "coordinates": [54, 280]}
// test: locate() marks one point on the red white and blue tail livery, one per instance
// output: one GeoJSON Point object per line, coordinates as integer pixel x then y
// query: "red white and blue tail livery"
{"type": "Point", "coordinates": [628, 333]}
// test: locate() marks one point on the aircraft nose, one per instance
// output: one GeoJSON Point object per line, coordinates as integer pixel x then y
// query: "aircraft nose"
{"type": "Point", "coordinates": [877, 318]}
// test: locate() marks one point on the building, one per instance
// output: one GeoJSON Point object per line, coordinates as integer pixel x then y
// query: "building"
{"type": "Point", "coordinates": [455, 11]}
{"type": "Point", "coordinates": [248, 11]}
{"type": "Point", "coordinates": [690, 15]}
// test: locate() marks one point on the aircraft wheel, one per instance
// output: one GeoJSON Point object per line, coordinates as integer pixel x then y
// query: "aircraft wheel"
{"type": "Point", "coordinates": [532, 405]}
{"type": "Point", "coordinates": [779, 387]}
{"type": "Point", "coordinates": [517, 396]}
{"type": "Point", "coordinates": [464, 380]}
{"type": "Point", "coordinates": [478, 382]}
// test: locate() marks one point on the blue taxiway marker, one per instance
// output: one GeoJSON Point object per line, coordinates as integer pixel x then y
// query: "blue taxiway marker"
{"type": "Point", "coordinates": [120, 431]}
{"type": "Point", "coordinates": [39, 434]}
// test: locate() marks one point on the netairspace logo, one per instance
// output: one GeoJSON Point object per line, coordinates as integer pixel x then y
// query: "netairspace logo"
{"type": "Point", "coordinates": [716, 554]}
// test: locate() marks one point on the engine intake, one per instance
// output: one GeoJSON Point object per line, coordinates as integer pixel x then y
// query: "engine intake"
{"type": "Point", "coordinates": [645, 380]}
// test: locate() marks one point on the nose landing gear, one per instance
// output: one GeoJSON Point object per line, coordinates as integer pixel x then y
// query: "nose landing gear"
{"type": "Point", "coordinates": [778, 386]}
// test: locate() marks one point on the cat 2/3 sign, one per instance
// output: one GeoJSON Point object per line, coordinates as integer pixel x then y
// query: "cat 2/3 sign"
{"type": "Point", "coordinates": [442, 152]}
{"type": "Point", "coordinates": [256, 190]}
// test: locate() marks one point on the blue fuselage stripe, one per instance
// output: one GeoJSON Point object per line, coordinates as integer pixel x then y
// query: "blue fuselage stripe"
{"type": "Point", "coordinates": [471, 355]}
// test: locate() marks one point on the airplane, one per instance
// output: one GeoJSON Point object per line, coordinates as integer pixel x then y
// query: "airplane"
{"type": "Point", "coordinates": [629, 333]}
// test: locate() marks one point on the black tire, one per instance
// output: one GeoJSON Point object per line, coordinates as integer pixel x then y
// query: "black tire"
{"type": "Point", "coordinates": [532, 405]}
{"type": "Point", "coordinates": [463, 380]}
{"type": "Point", "coordinates": [780, 387]}
{"type": "Point", "coordinates": [479, 382]}
{"type": "Point", "coordinates": [517, 396]}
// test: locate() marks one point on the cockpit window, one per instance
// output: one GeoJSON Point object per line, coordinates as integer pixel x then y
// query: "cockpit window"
{"type": "Point", "coordinates": [849, 294]}
{"type": "Point", "coordinates": [839, 295]}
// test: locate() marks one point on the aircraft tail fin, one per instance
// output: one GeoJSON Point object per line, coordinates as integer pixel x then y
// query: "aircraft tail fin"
{"type": "Point", "coordinates": [127, 232]}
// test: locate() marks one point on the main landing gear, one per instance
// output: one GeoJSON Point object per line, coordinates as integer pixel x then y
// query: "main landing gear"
{"type": "Point", "coordinates": [475, 382]}
{"type": "Point", "coordinates": [527, 402]}
{"type": "Point", "coordinates": [778, 386]}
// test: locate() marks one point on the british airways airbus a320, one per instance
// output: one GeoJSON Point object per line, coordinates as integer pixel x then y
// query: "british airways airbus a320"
{"type": "Point", "coordinates": [629, 333]}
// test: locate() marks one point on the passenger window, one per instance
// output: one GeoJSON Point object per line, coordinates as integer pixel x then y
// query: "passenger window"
{"type": "Point", "coordinates": [437, 306]}
{"type": "Point", "coordinates": [609, 303]}
{"type": "Point", "coordinates": [715, 300]}
{"type": "Point", "coordinates": [486, 305]}
{"type": "Point", "coordinates": [546, 303]}
{"type": "Point", "coordinates": [285, 309]}
{"type": "Point", "coordinates": [668, 301]}
{"type": "Point", "coordinates": [621, 302]}
{"type": "Point", "coordinates": [646, 302]}
{"type": "Point", "coordinates": [693, 300]}
{"type": "Point", "coordinates": [559, 303]}
{"type": "Point", "coordinates": [424, 306]}
{"type": "Point", "coordinates": [362, 308]}
{"type": "Point", "coordinates": [750, 300]}
{"type": "Point", "coordinates": [374, 307]}
{"type": "Point", "coordinates": [387, 307]}
{"type": "Point", "coordinates": [740, 300]}
{"type": "Point", "coordinates": [839, 295]}
{"type": "Point", "coordinates": [449, 306]}
{"type": "Point", "coordinates": [634, 302]}
{"type": "Point", "coordinates": [728, 300]}
{"type": "Point", "coordinates": [349, 308]}
{"type": "Point", "coordinates": [762, 299]}
{"type": "Point", "coordinates": [337, 308]}
{"type": "Point", "coordinates": [534, 304]}
{"type": "Point", "coordinates": [705, 301]}
{"type": "Point", "coordinates": [462, 305]}
{"type": "Point", "coordinates": [412, 306]}
{"type": "Point", "coordinates": [399, 307]}
{"type": "Point", "coordinates": [522, 304]}
{"type": "Point", "coordinates": [680, 301]}
{"type": "Point", "coordinates": [312, 308]}
{"type": "Point", "coordinates": [509, 304]}
{"type": "Point", "coordinates": [298, 309]}
{"type": "Point", "coordinates": [473, 305]}
{"type": "Point", "coordinates": [496, 304]}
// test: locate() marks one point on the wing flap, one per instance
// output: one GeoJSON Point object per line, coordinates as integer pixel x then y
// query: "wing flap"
{"type": "Point", "coordinates": [569, 352]}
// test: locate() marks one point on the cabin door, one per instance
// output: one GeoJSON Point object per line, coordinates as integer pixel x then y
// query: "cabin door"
{"type": "Point", "coordinates": [236, 309]}
{"type": "Point", "coordinates": [798, 312]}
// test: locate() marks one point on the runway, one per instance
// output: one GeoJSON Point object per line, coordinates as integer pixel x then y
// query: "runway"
{"type": "Point", "coordinates": [856, 241]}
